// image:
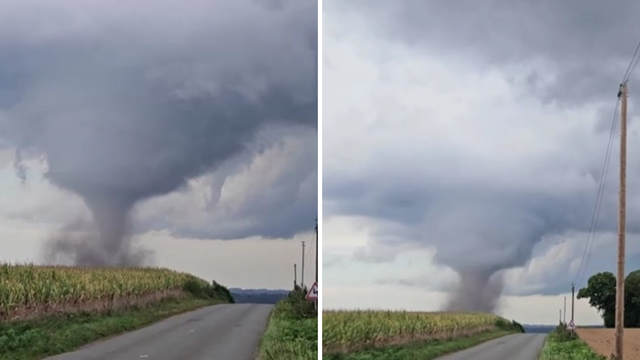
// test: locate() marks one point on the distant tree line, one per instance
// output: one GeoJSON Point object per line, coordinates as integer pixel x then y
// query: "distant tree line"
{"type": "Point", "coordinates": [254, 297]}
{"type": "Point", "coordinates": [601, 293]}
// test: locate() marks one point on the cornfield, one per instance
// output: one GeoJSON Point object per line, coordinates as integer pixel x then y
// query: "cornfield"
{"type": "Point", "coordinates": [30, 288]}
{"type": "Point", "coordinates": [344, 331]}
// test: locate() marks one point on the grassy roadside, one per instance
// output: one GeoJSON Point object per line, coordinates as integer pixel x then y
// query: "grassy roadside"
{"type": "Point", "coordinates": [423, 351]}
{"type": "Point", "coordinates": [292, 333]}
{"type": "Point", "coordinates": [561, 344]}
{"type": "Point", "coordinates": [36, 339]}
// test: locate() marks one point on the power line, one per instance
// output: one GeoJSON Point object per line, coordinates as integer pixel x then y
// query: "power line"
{"type": "Point", "coordinates": [630, 68]}
{"type": "Point", "coordinates": [586, 254]}
{"type": "Point", "coordinates": [630, 72]}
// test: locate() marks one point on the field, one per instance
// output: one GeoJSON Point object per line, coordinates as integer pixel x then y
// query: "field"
{"type": "Point", "coordinates": [30, 292]}
{"type": "Point", "coordinates": [601, 341]}
{"type": "Point", "coordinates": [46, 310]}
{"type": "Point", "coordinates": [292, 333]}
{"type": "Point", "coordinates": [354, 332]}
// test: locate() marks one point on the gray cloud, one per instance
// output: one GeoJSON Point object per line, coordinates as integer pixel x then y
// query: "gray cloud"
{"type": "Point", "coordinates": [331, 261]}
{"type": "Point", "coordinates": [489, 216]}
{"type": "Point", "coordinates": [270, 190]}
{"type": "Point", "coordinates": [128, 104]}
{"type": "Point", "coordinates": [562, 51]}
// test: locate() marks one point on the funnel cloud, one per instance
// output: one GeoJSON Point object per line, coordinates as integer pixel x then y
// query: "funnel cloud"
{"type": "Point", "coordinates": [130, 103]}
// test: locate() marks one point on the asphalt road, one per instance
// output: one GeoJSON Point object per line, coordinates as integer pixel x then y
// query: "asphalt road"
{"type": "Point", "coordinates": [220, 332]}
{"type": "Point", "coordinates": [511, 347]}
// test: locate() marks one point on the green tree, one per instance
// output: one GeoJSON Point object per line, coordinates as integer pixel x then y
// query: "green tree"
{"type": "Point", "coordinates": [601, 292]}
{"type": "Point", "coordinates": [632, 299]}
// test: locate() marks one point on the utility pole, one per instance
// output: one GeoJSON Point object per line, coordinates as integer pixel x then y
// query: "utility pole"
{"type": "Point", "coordinates": [295, 276]}
{"type": "Point", "coordinates": [317, 250]}
{"type": "Point", "coordinates": [302, 275]}
{"type": "Point", "coordinates": [564, 311]}
{"type": "Point", "coordinates": [619, 337]}
{"type": "Point", "coordinates": [573, 291]}
{"type": "Point", "coordinates": [560, 316]}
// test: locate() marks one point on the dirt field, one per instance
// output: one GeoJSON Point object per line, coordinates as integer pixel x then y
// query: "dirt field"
{"type": "Point", "coordinates": [601, 341]}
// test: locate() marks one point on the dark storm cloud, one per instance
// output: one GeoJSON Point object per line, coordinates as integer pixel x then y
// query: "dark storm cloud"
{"type": "Point", "coordinates": [572, 53]}
{"type": "Point", "coordinates": [130, 102]}
{"type": "Point", "coordinates": [584, 46]}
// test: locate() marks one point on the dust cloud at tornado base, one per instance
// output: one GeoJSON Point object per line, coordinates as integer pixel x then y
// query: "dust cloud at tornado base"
{"type": "Point", "coordinates": [104, 240]}
{"type": "Point", "coordinates": [78, 243]}
{"type": "Point", "coordinates": [475, 292]}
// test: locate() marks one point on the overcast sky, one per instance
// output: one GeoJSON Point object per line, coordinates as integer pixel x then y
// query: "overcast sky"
{"type": "Point", "coordinates": [471, 135]}
{"type": "Point", "coordinates": [199, 118]}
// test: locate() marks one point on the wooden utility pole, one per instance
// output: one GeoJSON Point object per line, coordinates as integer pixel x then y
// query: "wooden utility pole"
{"type": "Point", "coordinates": [573, 296]}
{"type": "Point", "coordinates": [317, 250]}
{"type": "Point", "coordinates": [315, 302]}
{"type": "Point", "coordinates": [564, 310]}
{"type": "Point", "coordinates": [619, 338]}
{"type": "Point", "coordinates": [302, 272]}
{"type": "Point", "coordinates": [560, 316]}
{"type": "Point", "coordinates": [295, 276]}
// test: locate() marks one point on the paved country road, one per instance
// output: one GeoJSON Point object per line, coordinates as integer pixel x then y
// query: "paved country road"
{"type": "Point", "coordinates": [220, 332]}
{"type": "Point", "coordinates": [511, 347]}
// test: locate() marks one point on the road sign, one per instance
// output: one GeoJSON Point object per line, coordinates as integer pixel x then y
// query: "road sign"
{"type": "Point", "coordinates": [572, 326]}
{"type": "Point", "coordinates": [312, 294]}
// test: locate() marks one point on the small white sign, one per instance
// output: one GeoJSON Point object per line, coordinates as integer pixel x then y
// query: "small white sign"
{"type": "Point", "coordinates": [312, 294]}
{"type": "Point", "coordinates": [572, 326]}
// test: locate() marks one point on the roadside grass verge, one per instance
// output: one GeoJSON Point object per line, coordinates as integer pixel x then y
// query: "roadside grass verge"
{"type": "Point", "coordinates": [292, 333]}
{"type": "Point", "coordinates": [356, 335]}
{"type": "Point", "coordinates": [562, 344]}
